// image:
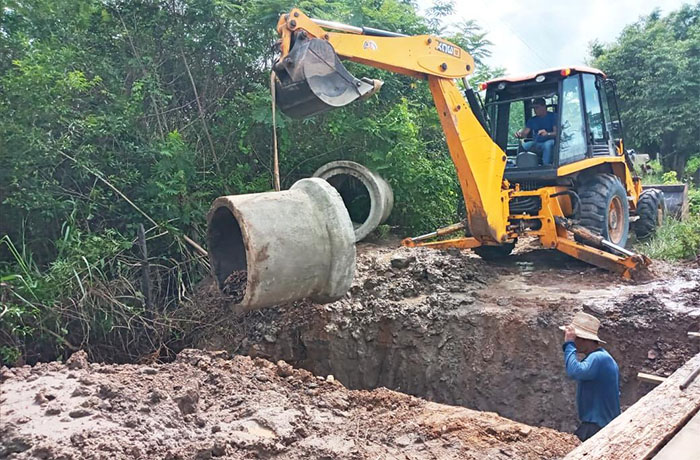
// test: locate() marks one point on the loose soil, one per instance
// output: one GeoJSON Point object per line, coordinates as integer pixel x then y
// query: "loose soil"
{"type": "Point", "coordinates": [235, 284]}
{"type": "Point", "coordinates": [205, 405]}
{"type": "Point", "coordinates": [368, 375]}
{"type": "Point", "coordinates": [449, 327]}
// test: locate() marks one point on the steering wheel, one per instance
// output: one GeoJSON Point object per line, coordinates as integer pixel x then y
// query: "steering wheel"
{"type": "Point", "coordinates": [521, 147]}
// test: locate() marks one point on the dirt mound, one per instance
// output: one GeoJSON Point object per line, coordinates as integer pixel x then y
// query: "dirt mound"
{"type": "Point", "coordinates": [205, 405]}
{"type": "Point", "coordinates": [452, 328]}
{"type": "Point", "coordinates": [388, 283]}
{"type": "Point", "coordinates": [442, 325]}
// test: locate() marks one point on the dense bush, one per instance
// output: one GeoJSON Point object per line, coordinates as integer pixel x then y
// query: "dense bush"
{"type": "Point", "coordinates": [656, 66]}
{"type": "Point", "coordinates": [121, 113]}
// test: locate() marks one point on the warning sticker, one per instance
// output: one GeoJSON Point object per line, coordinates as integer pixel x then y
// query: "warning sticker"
{"type": "Point", "coordinates": [369, 45]}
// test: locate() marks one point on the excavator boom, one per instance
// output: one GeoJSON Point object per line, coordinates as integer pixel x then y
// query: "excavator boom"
{"type": "Point", "coordinates": [310, 78]}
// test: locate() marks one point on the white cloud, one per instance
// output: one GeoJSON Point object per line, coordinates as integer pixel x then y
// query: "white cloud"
{"type": "Point", "coordinates": [530, 36]}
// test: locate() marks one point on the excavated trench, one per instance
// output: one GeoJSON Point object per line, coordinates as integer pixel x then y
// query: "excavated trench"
{"type": "Point", "coordinates": [450, 328]}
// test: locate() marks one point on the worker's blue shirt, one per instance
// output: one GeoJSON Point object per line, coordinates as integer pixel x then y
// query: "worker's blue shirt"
{"type": "Point", "coordinates": [598, 384]}
{"type": "Point", "coordinates": [546, 122]}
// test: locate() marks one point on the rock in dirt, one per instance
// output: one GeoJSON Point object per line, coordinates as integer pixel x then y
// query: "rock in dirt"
{"type": "Point", "coordinates": [40, 399]}
{"type": "Point", "coordinates": [402, 261]}
{"type": "Point", "coordinates": [187, 402]}
{"type": "Point", "coordinates": [78, 413]}
{"type": "Point", "coordinates": [53, 409]}
{"type": "Point", "coordinates": [235, 285]}
{"type": "Point", "coordinates": [13, 445]}
{"type": "Point", "coordinates": [77, 360]}
{"type": "Point", "coordinates": [5, 374]}
{"type": "Point", "coordinates": [284, 369]}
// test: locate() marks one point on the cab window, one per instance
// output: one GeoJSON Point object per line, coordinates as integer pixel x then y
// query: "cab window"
{"type": "Point", "coordinates": [610, 111]}
{"type": "Point", "coordinates": [594, 115]}
{"type": "Point", "coordinates": [572, 140]}
{"type": "Point", "coordinates": [516, 120]}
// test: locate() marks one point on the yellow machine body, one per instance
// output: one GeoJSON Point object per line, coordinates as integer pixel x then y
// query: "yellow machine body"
{"type": "Point", "coordinates": [479, 162]}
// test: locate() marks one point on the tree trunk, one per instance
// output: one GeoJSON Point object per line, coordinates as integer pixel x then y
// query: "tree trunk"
{"type": "Point", "coordinates": [672, 158]}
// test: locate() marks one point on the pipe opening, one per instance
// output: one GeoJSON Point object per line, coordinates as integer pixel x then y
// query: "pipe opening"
{"type": "Point", "coordinates": [355, 195]}
{"type": "Point", "coordinates": [229, 263]}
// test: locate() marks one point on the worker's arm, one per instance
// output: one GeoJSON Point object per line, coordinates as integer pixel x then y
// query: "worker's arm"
{"type": "Point", "coordinates": [551, 134]}
{"type": "Point", "coordinates": [579, 370]}
{"type": "Point", "coordinates": [522, 133]}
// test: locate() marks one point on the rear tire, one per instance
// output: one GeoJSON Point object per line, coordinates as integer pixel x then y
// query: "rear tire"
{"type": "Point", "coordinates": [605, 209]}
{"type": "Point", "coordinates": [499, 252]}
{"type": "Point", "coordinates": [651, 209]}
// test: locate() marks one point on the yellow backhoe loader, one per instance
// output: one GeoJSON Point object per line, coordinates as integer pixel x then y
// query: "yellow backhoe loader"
{"type": "Point", "coordinates": [581, 204]}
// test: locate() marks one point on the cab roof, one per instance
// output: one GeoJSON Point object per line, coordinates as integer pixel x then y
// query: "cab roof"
{"type": "Point", "coordinates": [514, 79]}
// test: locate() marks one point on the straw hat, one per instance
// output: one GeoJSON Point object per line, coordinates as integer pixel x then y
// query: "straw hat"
{"type": "Point", "coordinates": [585, 326]}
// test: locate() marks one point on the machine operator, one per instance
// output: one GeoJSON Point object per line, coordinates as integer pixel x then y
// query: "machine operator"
{"type": "Point", "coordinates": [543, 127]}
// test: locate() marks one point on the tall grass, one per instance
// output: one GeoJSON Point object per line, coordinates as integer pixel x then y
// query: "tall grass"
{"type": "Point", "coordinates": [674, 240]}
{"type": "Point", "coordinates": [89, 298]}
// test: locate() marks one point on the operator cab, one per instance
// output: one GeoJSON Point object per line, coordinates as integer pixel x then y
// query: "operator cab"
{"type": "Point", "coordinates": [587, 119]}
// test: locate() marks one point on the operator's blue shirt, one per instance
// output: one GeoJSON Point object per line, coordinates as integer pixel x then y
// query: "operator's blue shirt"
{"type": "Point", "coordinates": [546, 122]}
{"type": "Point", "coordinates": [598, 384]}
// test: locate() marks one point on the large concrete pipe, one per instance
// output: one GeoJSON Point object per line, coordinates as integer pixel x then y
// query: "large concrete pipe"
{"type": "Point", "coordinates": [270, 248]}
{"type": "Point", "coordinates": [367, 196]}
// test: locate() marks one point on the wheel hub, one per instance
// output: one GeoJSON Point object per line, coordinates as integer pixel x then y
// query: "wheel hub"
{"type": "Point", "coordinates": [615, 220]}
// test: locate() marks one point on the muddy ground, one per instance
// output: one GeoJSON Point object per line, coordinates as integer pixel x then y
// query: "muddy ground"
{"type": "Point", "coordinates": [437, 327]}
{"type": "Point", "coordinates": [449, 327]}
{"type": "Point", "coordinates": [205, 405]}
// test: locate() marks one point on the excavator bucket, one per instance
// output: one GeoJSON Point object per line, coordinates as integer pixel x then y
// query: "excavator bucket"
{"type": "Point", "coordinates": [311, 79]}
{"type": "Point", "coordinates": [675, 197]}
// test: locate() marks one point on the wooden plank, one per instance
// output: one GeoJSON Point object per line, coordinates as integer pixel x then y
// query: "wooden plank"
{"type": "Point", "coordinates": [643, 429]}
{"type": "Point", "coordinates": [694, 335]}
{"type": "Point", "coordinates": [684, 445]}
{"type": "Point", "coordinates": [650, 378]}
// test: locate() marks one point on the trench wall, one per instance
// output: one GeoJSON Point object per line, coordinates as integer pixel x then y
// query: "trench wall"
{"type": "Point", "coordinates": [490, 359]}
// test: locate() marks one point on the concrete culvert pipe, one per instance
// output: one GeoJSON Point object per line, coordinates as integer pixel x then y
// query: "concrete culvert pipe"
{"type": "Point", "coordinates": [270, 248]}
{"type": "Point", "coordinates": [367, 196]}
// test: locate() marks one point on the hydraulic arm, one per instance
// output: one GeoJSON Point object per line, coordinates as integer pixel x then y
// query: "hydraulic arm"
{"type": "Point", "coordinates": [311, 79]}
{"type": "Point", "coordinates": [310, 54]}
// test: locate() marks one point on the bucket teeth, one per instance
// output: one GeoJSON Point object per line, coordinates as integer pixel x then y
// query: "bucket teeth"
{"type": "Point", "coordinates": [376, 86]}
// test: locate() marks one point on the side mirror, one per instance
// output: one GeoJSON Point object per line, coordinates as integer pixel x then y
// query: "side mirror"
{"type": "Point", "coordinates": [610, 82]}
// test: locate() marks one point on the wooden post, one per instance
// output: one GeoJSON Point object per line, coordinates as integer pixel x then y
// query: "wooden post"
{"type": "Point", "coordinates": [275, 154]}
{"type": "Point", "coordinates": [146, 288]}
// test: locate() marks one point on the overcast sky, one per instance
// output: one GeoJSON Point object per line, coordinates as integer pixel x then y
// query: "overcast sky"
{"type": "Point", "coordinates": [533, 35]}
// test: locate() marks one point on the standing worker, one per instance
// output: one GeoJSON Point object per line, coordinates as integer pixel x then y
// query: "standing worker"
{"type": "Point", "coordinates": [597, 375]}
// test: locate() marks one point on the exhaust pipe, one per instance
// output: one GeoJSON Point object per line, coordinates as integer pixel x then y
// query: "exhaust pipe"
{"type": "Point", "coordinates": [272, 248]}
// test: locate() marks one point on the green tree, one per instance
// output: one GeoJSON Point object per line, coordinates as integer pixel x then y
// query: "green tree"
{"type": "Point", "coordinates": [656, 63]}
{"type": "Point", "coordinates": [121, 113]}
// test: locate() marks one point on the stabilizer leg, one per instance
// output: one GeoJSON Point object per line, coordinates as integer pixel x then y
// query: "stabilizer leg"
{"type": "Point", "coordinates": [629, 265]}
{"type": "Point", "coordinates": [459, 243]}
